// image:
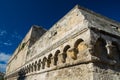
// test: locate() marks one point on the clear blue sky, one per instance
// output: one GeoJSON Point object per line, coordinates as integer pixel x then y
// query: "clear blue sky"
{"type": "Point", "coordinates": [17, 16]}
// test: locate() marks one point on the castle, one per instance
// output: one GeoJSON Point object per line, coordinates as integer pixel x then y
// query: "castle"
{"type": "Point", "coordinates": [83, 45]}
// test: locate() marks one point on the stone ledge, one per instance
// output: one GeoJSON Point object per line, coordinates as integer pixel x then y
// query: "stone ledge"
{"type": "Point", "coordinates": [66, 65]}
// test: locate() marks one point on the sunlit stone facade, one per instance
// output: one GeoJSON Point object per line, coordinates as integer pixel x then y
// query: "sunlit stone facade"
{"type": "Point", "coordinates": [83, 45]}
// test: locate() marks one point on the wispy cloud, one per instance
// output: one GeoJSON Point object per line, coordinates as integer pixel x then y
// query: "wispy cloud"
{"type": "Point", "coordinates": [4, 57]}
{"type": "Point", "coordinates": [3, 32]}
{"type": "Point", "coordinates": [7, 43]}
{"type": "Point", "coordinates": [2, 67]}
{"type": "Point", "coordinates": [16, 35]}
{"type": "Point", "coordinates": [6, 40]}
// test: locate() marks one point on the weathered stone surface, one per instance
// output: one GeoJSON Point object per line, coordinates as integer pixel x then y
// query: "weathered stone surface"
{"type": "Point", "coordinates": [82, 45]}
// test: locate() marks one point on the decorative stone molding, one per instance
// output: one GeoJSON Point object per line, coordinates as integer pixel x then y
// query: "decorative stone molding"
{"type": "Point", "coordinates": [78, 46]}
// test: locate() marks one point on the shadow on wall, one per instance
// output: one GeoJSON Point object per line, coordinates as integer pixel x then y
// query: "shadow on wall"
{"type": "Point", "coordinates": [107, 51]}
{"type": "Point", "coordinates": [21, 75]}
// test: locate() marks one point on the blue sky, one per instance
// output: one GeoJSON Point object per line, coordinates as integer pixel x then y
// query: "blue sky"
{"type": "Point", "coordinates": [17, 16]}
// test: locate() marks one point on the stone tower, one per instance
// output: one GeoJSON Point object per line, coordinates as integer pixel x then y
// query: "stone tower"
{"type": "Point", "coordinates": [83, 45]}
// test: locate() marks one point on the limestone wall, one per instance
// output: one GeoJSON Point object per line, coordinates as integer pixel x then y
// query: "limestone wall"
{"type": "Point", "coordinates": [106, 72]}
{"type": "Point", "coordinates": [18, 59]}
{"type": "Point", "coordinates": [79, 72]}
{"type": "Point", "coordinates": [81, 46]}
{"type": "Point", "coordinates": [70, 24]}
{"type": "Point", "coordinates": [106, 56]}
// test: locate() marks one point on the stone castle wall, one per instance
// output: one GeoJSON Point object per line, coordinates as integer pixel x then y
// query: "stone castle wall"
{"type": "Point", "coordinates": [82, 45]}
{"type": "Point", "coordinates": [19, 57]}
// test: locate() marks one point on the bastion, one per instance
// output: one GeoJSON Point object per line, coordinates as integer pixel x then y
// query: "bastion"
{"type": "Point", "coordinates": [83, 45]}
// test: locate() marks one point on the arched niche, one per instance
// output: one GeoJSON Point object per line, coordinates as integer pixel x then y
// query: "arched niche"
{"type": "Point", "coordinates": [64, 54]}
{"type": "Point", "coordinates": [80, 45]}
{"type": "Point", "coordinates": [23, 70]}
{"type": "Point", "coordinates": [32, 67]}
{"type": "Point", "coordinates": [116, 46]}
{"type": "Point", "coordinates": [39, 64]}
{"type": "Point", "coordinates": [49, 60]}
{"type": "Point", "coordinates": [28, 68]}
{"type": "Point", "coordinates": [56, 57]}
{"type": "Point", "coordinates": [44, 62]}
{"type": "Point", "coordinates": [100, 48]}
{"type": "Point", "coordinates": [35, 66]}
